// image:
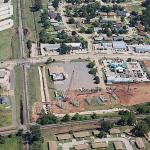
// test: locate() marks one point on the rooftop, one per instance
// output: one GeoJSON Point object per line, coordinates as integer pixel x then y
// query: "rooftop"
{"type": "Point", "coordinates": [81, 134]}
{"type": "Point", "coordinates": [118, 145]}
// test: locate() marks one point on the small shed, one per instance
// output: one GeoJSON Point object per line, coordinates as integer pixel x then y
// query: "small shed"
{"type": "Point", "coordinates": [52, 145]}
{"type": "Point", "coordinates": [99, 145]}
{"type": "Point", "coordinates": [63, 137]}
{"type": "Point", "coordinates": [118, 145]}
{"type": "Point", "coordinates": [140, 144]}
{"type": "Point", "coordinates": [81, 134]}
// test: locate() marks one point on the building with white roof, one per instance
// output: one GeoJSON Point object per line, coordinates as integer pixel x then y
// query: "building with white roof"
{"type": "Point", "coordinates": [123, 72]}
{"type": "Point", "coordinates": [141, 48]}
{"type": "Point", "coordinates": [119, 45]}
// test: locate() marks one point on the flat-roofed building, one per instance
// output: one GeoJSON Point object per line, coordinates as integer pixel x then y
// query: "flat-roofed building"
{"type": "Point", "coordinates": [52, 145]}
{"type": "Point", "coordinates": [119, 45]}
{"type": "Point", "coordinates": [141, 48]}
{"type": "Point", "coordinates": [99, 145]}
{"type": "Point", "coordinates": [81, 134]}
{"type": "Point", "coordinates": [140, 144]}
{"type": "Point", "coordinates": [63, 137]}
{"type": "Point", "coordinates": [81, 146]}
{"type": "Point", "coordinates": [118, 145]}
{"type": "Point", "coordinates": [57, 73]}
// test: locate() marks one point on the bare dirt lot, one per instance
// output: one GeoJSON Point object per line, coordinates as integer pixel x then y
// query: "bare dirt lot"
{"type": "Point", "coordinates": [147, 65]}
{"type": "Point", "coordinates": [131, 94]}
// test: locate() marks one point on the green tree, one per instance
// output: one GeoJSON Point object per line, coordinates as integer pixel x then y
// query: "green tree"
{"type": "Point", "coordinates": [2, 139]}
{"type": "Point", "coordinates": [97, 80]}
{"type": "Point", "coordinates": [77, 117]}
{"type": "Point", "coordinates": [94, 116]}
{"type": "Point", "coordinates": [64, 49]}
{"type": "Point", "coordinates": [141, 129]}
{"type": "Point", "coordinates": [29, 44]}
{"type": "Point", "coordinates": [55, 3]}
{"type": "Point", "coordinates": [102, 134]}
{"type": "Point", "coordinates": [66, 118]}
{"type": "Point", "coordinates": [71, 20]}
{"type": "Point", "coordinates": [38, 5]}
{"type": "Point", "coordinates": [106, 126]}
{"type": "Point", "coordinates": [48, 119]}
{"type": "Point", "coordinates": [37, 146]}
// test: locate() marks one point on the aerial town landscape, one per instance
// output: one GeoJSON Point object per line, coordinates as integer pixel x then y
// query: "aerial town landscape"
{"type": "Point", "coordinates": [74, 75]}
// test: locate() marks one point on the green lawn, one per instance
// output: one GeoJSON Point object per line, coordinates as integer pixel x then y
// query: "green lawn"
{"type": "Point", "coordinates": [33, 85]}
{"type": "Point", "coordinates": [18, 91]}
{"type": "Point", "coordinates": [5, 116]}
{"type": "Point", "coordinates": [31, 20]}
{"type": "Point", "coordinates": [50, 84]}
{"type": "Point", "coordinates": [11, 143]}
{"type": "Point", "coordinates": [9, 40]}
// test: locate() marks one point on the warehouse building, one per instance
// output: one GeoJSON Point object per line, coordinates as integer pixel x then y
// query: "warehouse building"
{"type": "Point", "coordinates": [120, 71]}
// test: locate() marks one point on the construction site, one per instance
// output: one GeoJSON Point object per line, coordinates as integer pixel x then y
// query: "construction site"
{"type": "Point", "coordinates": [134, 87]}
{"type": "Point", "coordinates": [73, 87]}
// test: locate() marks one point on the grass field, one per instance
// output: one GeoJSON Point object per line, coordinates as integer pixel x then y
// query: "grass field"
{"type": "Point", "coordinates": [9, 40]}
{"type": "Point", "coordinates": [50, 84]}
{"type": "Point", "coordinates": [11, 143]}
{"type": "Point", "coordinates": [18, 90]}
{"type": "Point", "coordinates": [31, 20]}
{"type": "Point", "coordinates": [5, 116]}
{"type": "Point", "coordinates": [33, 85]}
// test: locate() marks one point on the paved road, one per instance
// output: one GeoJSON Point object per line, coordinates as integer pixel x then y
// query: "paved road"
{"type": "Point", "coordinates": [98, 112]}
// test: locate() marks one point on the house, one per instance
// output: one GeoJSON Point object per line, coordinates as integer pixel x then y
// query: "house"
{"type": "Point", "coordinates": [52, 145]}
{"type": "Point", "coordinates": [81, 146]}
{"type": "Point", "coordinates": [140, 144]}
{"type": "Point", "coordinates": [4, 100]}
{"type": "Point", "coordinates": [74, 46]}
{"type": "Point", "coordinates": [99, 145]}
{"type": "Point", "coordinates": [63, 137]}
{"type": "Point", "coordinates": [118, 145]}
{"type": "Point", "coordinates": [50, 47]}
{"type": "Point", "coordinates": [118, 38]}
{"type": "Point", "coordinates": [114, 131]}
{"type": "Point", "coordinates": [121, 13]}
{"type": "Point", "coordinates": [81, 134]}
{"type": "Point", "coordinates": [57, 73]}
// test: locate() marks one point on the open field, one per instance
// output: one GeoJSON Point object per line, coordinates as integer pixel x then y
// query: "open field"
{"type": "Point", "coordinates": [134, 93]}
{"type": "Point", "coordinates": [11, 143]}
{"type": "Point", "coordinates": [31, 21]}
{"type": "Point", "coordinates": [18, 90]}
{"type": "Point", "coordinates": [5, 116]}
{"type": "Point", "coordinates": [9, 39]}
{"type": "Point", "coordinates": [33, 85]}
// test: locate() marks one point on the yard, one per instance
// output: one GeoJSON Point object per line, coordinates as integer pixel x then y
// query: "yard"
{"type": "Point", "coordinates": [31, 20]}
{"type": "Point", "coordinates": [11, 143]}
{"type": "Point", "coordinates": [33, 85]}
{"type": "Point", "coordinates": [5, 116]}
{"type": "Point", "coordinates": [9, 40]}
{"type": "Point", "coordinates": [18, 89]}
